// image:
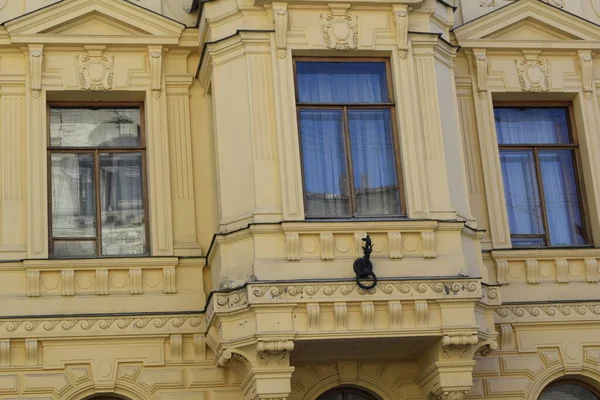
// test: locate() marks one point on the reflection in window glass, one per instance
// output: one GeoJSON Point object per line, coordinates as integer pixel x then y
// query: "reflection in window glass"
{"type": "Point", "coordinates": [567, 391]}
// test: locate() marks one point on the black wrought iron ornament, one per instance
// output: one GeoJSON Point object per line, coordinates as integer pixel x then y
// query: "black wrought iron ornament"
{"type": "Point", "coordinates": [363, 268]}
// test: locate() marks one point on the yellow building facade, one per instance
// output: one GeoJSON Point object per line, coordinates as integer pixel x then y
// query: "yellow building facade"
{"type": "Point", "coordinates": [193, 194]}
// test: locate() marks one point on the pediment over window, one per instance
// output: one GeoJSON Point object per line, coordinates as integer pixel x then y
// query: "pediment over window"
{"type": "Point", "coordinates": [94, 21]}
{"type": "Point", "coordinates": [529, 24]}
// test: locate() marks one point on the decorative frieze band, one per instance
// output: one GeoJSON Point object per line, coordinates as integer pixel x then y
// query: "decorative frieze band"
{"type": "Point", "coordinates": [548, 312]}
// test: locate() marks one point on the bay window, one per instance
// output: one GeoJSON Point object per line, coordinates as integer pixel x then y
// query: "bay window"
{"type": "Point", "coordinates": [97, 188]}
{"type": "Point", "coordinates": [348, 138]}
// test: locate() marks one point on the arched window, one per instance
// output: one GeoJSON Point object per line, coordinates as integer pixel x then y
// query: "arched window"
{"type": "Point", "coordinates": [569, 390]}
{"type": "Point", "coordinates": [346, 394]}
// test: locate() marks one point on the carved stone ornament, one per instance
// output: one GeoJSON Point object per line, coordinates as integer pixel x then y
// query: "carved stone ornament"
{"type": "Point", "coordinates": [487, 3]}
{"type": "Point", "coordinates": [533, 75]}
{"type": "Point", "coordinates": [280, 19]}
{"type": "Point", "coordinates": [95, 72]}
{"type": "Point", "coordinates": [340, 31]}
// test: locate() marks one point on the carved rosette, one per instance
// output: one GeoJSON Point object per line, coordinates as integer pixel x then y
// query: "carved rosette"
{"type": "Point", "coordinates": [95, 72]}
{"type": "Point", "coordinates": [340, 31]}
{"type": "Point", "coordinates": [533, 75]}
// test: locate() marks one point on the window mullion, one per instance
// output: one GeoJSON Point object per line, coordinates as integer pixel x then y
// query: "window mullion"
{"type": "Point", "coordinates": [350, 166]}
{"type": "Point", "coordinates": [542, 195]}
{"type": "Point", "coordinates": [98, 203]}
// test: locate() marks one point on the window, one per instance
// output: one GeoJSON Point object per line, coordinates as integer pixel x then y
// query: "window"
{"type": "Point", "coordinates": [538, 155]}
{"type": "Point", "coordinates": [346, 394]}
{"type": "Point", "coordinates": [350, 160]}
{"type": "Point", "coordinates": [568, 391]}
{"type": "Point", "coordinates": [96, 162]}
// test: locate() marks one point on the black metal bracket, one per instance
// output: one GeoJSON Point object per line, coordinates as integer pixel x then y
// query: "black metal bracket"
{"type": "Point", "coordinates": [363, 268]}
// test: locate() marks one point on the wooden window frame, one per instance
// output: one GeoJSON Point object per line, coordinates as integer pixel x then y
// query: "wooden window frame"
{"type": "Point", "coordinates": [95, 152]}
{"type": "Point", "coordinates": [573, 145]}
{"type": "Point", "coordinates": [344, 107]}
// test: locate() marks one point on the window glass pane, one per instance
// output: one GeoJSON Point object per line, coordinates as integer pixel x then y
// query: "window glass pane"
{"type": "Point", "coordinates": [561, 196]}
{"type": "Point", "coordinates": [88, 127]}
{"type": "Point", "coordinates": [373, 161]}
{"type": "Point", "coordinates": [521, 192]}
{"type": "Point", "coordinates": [73, 197]}
{"type": "Point", "coordinates": [324, 163]}
{"type": "Point", "coordinates": [121, 191]}
{"type": "Point", "coordinates": [532, 125]}
{"type": "Point", "coordinates": [529, 241]}
{"type": "Point", "coordinates": [342, 82]}
{"type": "Point", "coordinates": [567, 392]}
{"type": "Point", "coordinates": [65, 249]}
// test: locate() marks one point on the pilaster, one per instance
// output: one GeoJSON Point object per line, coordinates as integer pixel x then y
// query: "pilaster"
{"type": "Point", "coordinates": [435, 163]}
{"type": "Point", "coordinates": [185, 240]}
{"type": "Point", "coordinates": [158, 159]}
{"type": "Point", "coordinates": [37, 209]}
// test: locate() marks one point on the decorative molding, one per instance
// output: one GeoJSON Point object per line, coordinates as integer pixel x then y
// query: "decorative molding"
{"type": "Point", "coordinates": [562, 270]}
{"type": "Point", "coordinates": [591, 270]}
{"type": "Point", "coordinates": [176, 342]}
{"type": "Point", "coordinates": [502, 272]}
{"type": "Point", "coordinates": [135, 281]}
{"type": "Point", "coordinates": [33, 283]}
{"type": "Point", "coordinates": [533, 73]}
{"type": "Point", "coordinates": [367, 309]}
{"type": "Point", "coordinates": [533, 271]}
{"type": "Point", "coordinates": [421, 310]}
{"type": "Point", "coordinates": [292, 246]}
{"type": "Point", "coordinates": [395, 311]}
{"type": "Point", "coordinates": [459, 340]}
{"type": "Point", "coordinates": [4, 352]}
{"type": "Point", "coordinates": [67, 282]}
{"type": "Point", "coordinates": [95, 70]}
{"type": "Point", "coordinates": [507, 334]}
{"type": "Point", "coordinates": [401, 19]}
{"type": "Point", "coordinates": [155, 54]}
{"type": "Point", "coordinates": [428, 244]}
{"type": "Point", "coordinates": [102, 282]}
{"type": "Point", "coordinates": [406, 290]}
{"type": "Point", "coordinates": [395, 245]}
{"type": "Point", "coordinates": [199, 347]}
{"type": "Point", "coordinates": [326, 240]}
{"type": "Point", "coordinates": [451, 395]}
{"type": "Point", "coordinates": [340, 316]}
{"type": "Point", "coordinates": [313, 312]}
{"type": "Point", "coordinates": [35, 69]}
{"type": "Point", "coordinates": [490, 295]}
{"type": "Point", "coordinates": [340, 29]}
{"type": "Point", "coordinates": [274, 352]}
{"type": "Point", "coordinates": [169, 280]}
{"type": "Point", "coordinates": [487, 3]}
{"type": "Point", "coordinates": [481, 69]}
{"type": "Point", "coordinates": [31, 351]}
{"type": "Point", "coordinates": [586, 66]}
{"type": "Point", "coordinates": [280, 19]}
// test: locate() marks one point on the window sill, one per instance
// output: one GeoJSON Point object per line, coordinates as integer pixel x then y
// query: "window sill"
{"type": "Point", "coordinates": [107, 263]}
{"type": "Point", "coordinates": [546, 253]}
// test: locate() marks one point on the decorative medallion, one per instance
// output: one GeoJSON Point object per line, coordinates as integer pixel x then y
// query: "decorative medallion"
{"type": "Point", "coordinates": [533, 75]}
{"type": "Point", "coordinates": [340, 31]}
{"type": "Point", "coordinates": [95, 72]}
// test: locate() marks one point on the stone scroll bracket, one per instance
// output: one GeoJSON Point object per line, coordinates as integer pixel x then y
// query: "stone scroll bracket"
{"type": "Point", "coordinates": [35, 69]}
{"type": "Point", "coordinates": [401, 19]}
{"type": "Point", "coordinates": [155, 58]}
{"type": "Point", "coordinates": [586, 66]}
{"type": "Point", "coordinates": [480, 61]}
{"type": "Point", "coordinates": [280, 19]}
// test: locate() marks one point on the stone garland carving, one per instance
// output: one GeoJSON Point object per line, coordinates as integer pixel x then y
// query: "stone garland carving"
{"type": "Point", "coordinates": [340, 31]}
{"type": "Point", "coordinates": [417, 287]}
{"type": "Point", "coordinates": [95, 72]}
{"type": "Point", "coordinates": [549, 310]}
{"type": "Point", "coordinates": [533, 75]}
